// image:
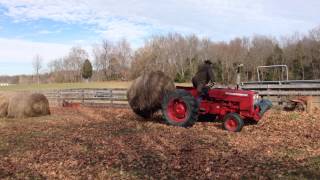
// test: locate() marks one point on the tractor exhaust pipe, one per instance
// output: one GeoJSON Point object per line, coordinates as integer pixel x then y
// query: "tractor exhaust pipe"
{"type": "Point", "coordinates": [239, 67]}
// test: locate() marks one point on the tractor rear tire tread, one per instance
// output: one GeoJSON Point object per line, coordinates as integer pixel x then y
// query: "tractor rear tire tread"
{"type": "Point", "coordinates": [191, 103]}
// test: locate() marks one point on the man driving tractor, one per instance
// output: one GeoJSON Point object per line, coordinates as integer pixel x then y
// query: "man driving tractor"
{"type": "Point", "coordinates": [203, 76]}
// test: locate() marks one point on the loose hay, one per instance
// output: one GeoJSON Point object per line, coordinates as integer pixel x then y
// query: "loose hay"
{"type": "Point", "coordinates": [22, 105]}
{"type": "Point", "coordinates": [4, 102]}
{"type": "Point", "coordinates": [146, 92]}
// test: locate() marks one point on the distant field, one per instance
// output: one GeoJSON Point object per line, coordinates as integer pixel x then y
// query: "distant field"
{"type": "Point", "coordinates": [26, 87]}
{"type": "Point", "coordinates": [109, 84]}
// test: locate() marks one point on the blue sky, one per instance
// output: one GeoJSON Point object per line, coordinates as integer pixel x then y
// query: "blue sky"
{"type": "Point", "coordinates": [51, 28]}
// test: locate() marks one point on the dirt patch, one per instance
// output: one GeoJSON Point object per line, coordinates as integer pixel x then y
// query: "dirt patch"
{"type": "Point", "coordinates": [114, 143]}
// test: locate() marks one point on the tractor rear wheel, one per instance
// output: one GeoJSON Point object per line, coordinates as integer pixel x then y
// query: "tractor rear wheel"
{"type": "Point", "coordinates": [233, 122]}
{"type": "Point", "coordinates": [180, 108]}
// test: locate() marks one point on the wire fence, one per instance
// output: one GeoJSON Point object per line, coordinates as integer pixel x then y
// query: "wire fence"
{"type": "Point", "coordinates": [116, 97]}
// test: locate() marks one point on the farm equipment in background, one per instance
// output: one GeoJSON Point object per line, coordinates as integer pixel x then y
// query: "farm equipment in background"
{"type": "Point", "coordinates": [182, 107]}
{"type": "Point", "coordinates": [300, 95]}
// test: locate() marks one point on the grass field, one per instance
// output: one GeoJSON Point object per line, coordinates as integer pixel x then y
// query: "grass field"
{"type": "Point", "coordinates": [27, 87]}
{"type": "Point", "coordinates": [109, 84]}
{"type": "Point", "coordinates": [113, 143]}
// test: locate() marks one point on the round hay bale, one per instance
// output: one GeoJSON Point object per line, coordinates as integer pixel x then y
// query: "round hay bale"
{"type": "Point", "coordinates": [22, 105]}
{"type": "Point", "coordinates": [4, 103]}
{"type": "Point", "coordinates": [146, 92]}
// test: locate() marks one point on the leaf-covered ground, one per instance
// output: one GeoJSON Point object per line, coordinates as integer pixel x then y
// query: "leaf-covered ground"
{"type": "Point", "coordinates": [115, 144]}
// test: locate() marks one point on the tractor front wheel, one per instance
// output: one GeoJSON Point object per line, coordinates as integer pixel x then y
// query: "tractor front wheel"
{"type": "Point", "coordinates": [180, 108]}
{"type": "Point", "coordinates": [233, 122]}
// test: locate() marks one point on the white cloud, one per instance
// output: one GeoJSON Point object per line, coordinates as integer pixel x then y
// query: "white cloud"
{"type": "Point", "coordinates": [22, 51]}
{"type": "Point", "coordinates": [126, 18]}
{"type": "Point", "coordinates": [45, 31]}
{"type": "Point", "coordinates": [134, 19]}
{"type": "Point", "coordinates": [115, 30]}
{"type": "Point", "coordinates": [16, 55]}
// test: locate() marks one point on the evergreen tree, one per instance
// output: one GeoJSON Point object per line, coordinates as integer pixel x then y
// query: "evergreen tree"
{"type": "Point", "coordinates": [87, 69]}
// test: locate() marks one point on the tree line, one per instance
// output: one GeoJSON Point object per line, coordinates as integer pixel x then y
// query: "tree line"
{"type": "Point", "coordinates": [179, 56]}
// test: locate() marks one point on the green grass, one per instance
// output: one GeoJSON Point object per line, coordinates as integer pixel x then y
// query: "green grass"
{"type": "Point", "coordinates": [294, 116]}
{"type": "Point", "coordinates": [53, 86]}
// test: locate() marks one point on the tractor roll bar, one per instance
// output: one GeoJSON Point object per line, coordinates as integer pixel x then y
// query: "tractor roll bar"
{"type": "Point", "coordinates": [273, 66]}
{"type": "Point", "coordinates": [283, 82]}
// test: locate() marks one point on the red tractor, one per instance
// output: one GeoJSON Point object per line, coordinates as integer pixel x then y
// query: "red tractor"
{"type": "Point", "coordinates": [182, 107]}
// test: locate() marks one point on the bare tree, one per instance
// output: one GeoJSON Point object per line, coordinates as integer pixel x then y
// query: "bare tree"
{"type": "Point", "coordinates": [37, 65]}
{"type": "Point", "coordinates": [178, 56]}
{"type": "Point", "coordinates": [102, 57]}
{"type": "Point", "coordinates": [73, 63]}
{"type": "Point", "coordinates": [112, 60]}
{"type": "Point", "coordinates": [57, 70]}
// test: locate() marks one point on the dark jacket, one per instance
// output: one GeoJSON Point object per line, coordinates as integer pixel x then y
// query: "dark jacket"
{"type": "Point", "coordinates": [203, 76]}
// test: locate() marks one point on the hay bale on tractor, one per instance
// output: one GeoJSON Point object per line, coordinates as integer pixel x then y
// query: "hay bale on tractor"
{"type": "Point", "coordinates": [22, 105]}
{"type": "Point", "coordinates": [146, 92]}
{"type": "Point", "coordinates": [4, 103]}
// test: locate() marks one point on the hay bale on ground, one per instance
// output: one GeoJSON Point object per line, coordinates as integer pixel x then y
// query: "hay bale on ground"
{"type": "Point", "coordinates": [146, 92]}
{"type": "Point", "coordinates": [4, 103]}
{"type": "Point", "coordinates": [22, 105]}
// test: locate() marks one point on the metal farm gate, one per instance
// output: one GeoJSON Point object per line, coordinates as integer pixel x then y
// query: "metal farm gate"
{"type": "Point", "coordinates": [87, 97]}
{"type": "Point", "coordinates": [282, 91]}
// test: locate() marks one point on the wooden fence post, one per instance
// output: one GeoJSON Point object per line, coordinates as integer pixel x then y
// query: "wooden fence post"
{"type": "Point", "coordinates": [59, 98]}
{"type": "Point", "coordinates": [111, 95]}
{"type": "Point", "coordinates": [95, 95]}
{"type": "Point", "coordinates": [309, 104]}
{"type": "Point", "coordinates": [82, 96]}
